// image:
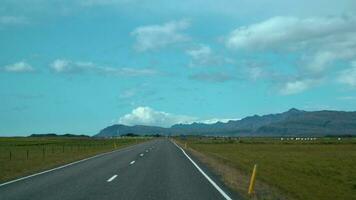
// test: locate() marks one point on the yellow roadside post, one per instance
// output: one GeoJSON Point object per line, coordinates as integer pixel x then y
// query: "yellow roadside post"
{"type": "Point", "coordinates": [252, 181]}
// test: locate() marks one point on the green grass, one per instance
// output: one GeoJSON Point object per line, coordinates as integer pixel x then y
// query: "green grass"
{"type": "Point", "coordinates": [45, 153]}
{"type": "Point", "coordinates": [322, 169]}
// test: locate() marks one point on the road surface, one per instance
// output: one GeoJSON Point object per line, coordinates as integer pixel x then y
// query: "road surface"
{"type": "Point", "coordinates": [156, 169]}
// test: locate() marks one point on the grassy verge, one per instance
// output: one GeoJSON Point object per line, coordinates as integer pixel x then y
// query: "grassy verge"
{"type": "Point", "coordinates": [322, 169]}
{"type": "Point", "coordinates": [24, 156]}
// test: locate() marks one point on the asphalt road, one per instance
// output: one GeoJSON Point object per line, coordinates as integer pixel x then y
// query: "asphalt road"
{"type": "Point", "coordinates": [153, 170]}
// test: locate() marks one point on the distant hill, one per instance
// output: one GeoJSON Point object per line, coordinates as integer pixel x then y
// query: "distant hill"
{"type": "Point", "coordinates": [57, 135]}
{"type": "Point", "coordinates": [119, 129]}
{"type": "Point", "coordinates": [247, 124]}
{"type": "Point", "coordinates": [292, 122]}
{"type": "Point", "coordinates": [314, 123]}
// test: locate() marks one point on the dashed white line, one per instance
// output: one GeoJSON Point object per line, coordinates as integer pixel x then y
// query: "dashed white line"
{"type": "Point", "coordinates": [112, 178]}
{"type": "Point", "coordinates": [204, 174]}
{"type": "Point", "coordinates": [132, 162]}
{"type": "Point", "coordinates": [146, 151]}
{"type": "Point", "coordinates": [141, 154]}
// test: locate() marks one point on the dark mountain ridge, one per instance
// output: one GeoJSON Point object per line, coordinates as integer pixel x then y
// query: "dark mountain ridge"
{"type": "Point", "coordinates": [293, 122]}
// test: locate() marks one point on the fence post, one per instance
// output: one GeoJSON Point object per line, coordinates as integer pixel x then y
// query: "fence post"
{"type": "Point", "coordinates": [43, 152]}
{"type": "Point", "coordinates": [252, 180]}
{"type": "Point", "coordinates": [62, 148]}
{"type": "Point", "coordinates": [27, 154]}
{"type": "Point", "coordinates": [10, 153]}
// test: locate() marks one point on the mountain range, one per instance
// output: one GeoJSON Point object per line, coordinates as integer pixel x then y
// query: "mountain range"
{"type": "Point", "coordinates": [293, 122]}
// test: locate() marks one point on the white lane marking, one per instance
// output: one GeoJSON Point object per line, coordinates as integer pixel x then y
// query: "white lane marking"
{"type": "Point", "coordinates": [67, 165]}
{"type": "Point", "coordinates": [112, 178]}
{"type": "Point", "coordinates": [132, 162]}
{"type": "Point", "coordinates": [204, 174]}
{"type": "Point", "coordinates": [141, 154]}
{"type": "Point", "coordinates": [146, 151]}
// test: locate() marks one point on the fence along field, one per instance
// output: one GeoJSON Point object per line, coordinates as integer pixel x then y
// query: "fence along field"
{"type": "Point", "coordinates": [324, 168]}
{"type": "Point", "coordinates": [23, 156]}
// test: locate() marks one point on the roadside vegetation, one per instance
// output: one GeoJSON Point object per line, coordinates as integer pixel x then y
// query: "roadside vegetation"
{"type": "Point", "coordinates": [317, 169]}
{"type": "Point", "coordinates": [20, 156]}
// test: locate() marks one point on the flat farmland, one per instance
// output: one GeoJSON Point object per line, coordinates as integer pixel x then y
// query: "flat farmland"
{"type": "Point", "coordinates": [320, 169]}
{"type": "Point", "coordinates": [20, 156]}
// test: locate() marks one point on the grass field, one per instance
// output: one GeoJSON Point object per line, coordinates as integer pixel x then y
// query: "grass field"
{"type": "Point", "coordinates": [321, 169]}
{"type": "Point", "coordinates": [21, 156]}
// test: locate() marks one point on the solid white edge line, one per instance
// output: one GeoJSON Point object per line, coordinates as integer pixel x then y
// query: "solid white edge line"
{"type": "Point", "coordinates": [112, 178]}
{"type": "Point", "coordinates": [204, 174]}
{"type": "Point", "coordinates": [66, 165]}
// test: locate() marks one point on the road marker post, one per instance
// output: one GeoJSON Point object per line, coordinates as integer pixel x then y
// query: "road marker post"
{"type": "Point", "coordinates": [251, 188]}
{"type": "Point", "coordinates": [185, 145]}
{"type": "Point", "coordinates": [43, 152]}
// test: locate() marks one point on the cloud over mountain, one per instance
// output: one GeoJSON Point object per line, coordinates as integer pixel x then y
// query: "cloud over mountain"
{"type": "Point", "coordinates": [144, 115]}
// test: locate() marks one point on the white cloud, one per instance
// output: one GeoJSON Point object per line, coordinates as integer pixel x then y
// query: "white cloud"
{"type": "Point", "coordinates": [68, 67]}
{"type": "Point", "coordinates": [348, 76]}
{"type": "Point", "coordinates": [144, 115]}
{"type": "Point", "coordinates": [60, 65]}
{"type": "Point", "coordinates": [321, 41]}
{"type": "Point", "coordinates": [148, 116]}
{"type": "Point", "coordinates": [255, 73]}
{"type": "Point", "coordinates": [203, 55]}
{"type": "Point", "coordinates": [296, 86]}
{"type": "Point", "coordinates": [19, 67]}
{"type": "Point", "coordinates": [317, 43]}
{"type": "Point", "coordinates": [255, 70]}
{"type": "Point", "coordinates": [288, 32]}
{"type": "Point", "coordinates": [336, 48]}
{"type": "Point", "coordinates": [201, 51]}
{"type": "Point", "coordinates": [158, 36]}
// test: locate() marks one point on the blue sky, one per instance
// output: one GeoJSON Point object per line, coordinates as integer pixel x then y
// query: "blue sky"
{"type": "Point", "coordinates": [78, 66]}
